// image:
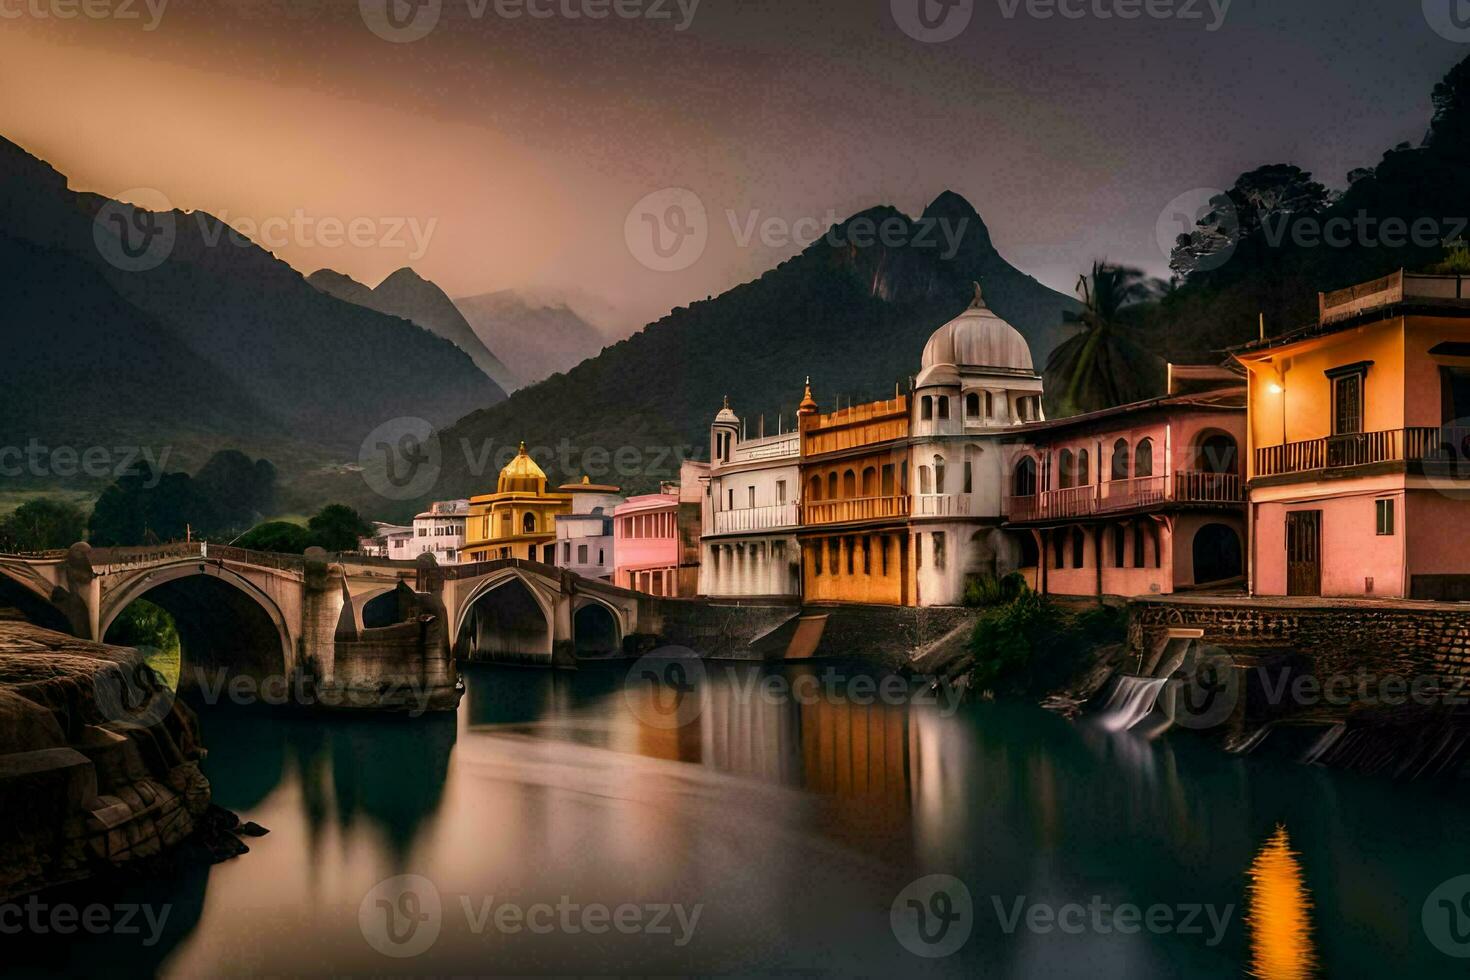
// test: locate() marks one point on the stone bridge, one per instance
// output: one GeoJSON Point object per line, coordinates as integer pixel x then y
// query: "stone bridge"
{"type": "Point", "coordinates": [348, 631]}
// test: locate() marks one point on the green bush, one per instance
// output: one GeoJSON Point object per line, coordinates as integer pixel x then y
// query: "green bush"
{"type": "Point", "coordinates": [989, 591]}
{"type": "Point", "coordinates": [1027, 635]}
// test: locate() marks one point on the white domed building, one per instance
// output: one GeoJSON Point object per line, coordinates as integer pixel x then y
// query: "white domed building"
{"type": "Point", "coordinates": [976, 384]}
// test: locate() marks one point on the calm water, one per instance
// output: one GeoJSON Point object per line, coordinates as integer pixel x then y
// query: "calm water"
{"type": "Point", "coordinates": [791, 828]}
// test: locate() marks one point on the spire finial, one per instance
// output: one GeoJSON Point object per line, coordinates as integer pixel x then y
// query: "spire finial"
{"type": "Point", "coordinates": [523, 448]}
{"type": "Point", "coordinates": [978, 303]}
{"type": "Point", "coordinates": [727, 401]}
{"type": "Point", "coordinates": [808, 403]}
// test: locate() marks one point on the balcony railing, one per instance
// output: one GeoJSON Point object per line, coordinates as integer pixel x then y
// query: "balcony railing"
{"type": "Point", "coordinates": [941, 505]}
{"type": "Point", "coordinates": [854, 509]}
{"type": "Point", "coordinates": [1114, 496]}
{"type": "Point", "coordinates": [1420, 444]}
{"type": "Point", "coordinates": [757, 518]}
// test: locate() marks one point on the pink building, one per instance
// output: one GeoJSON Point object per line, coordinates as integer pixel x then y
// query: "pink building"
{"type": "Point", "coordinates": [646, 548]}
{"type": "Point", "coordinates": [1140, 499]}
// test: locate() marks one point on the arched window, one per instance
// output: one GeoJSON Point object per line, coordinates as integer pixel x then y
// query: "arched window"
{"type": "Point", "coordinates": [1084, 468]}
{"type": "Point", "coordinates": [938, 474]}
{"type": "Point", "coordinates": [1066, 470]}
{"type": "Point", "coordinates": [1058, 548]}
{"type": "Point", "coordinates": [1143, 458]}
{"type": "Point", "coordinates": [989, 405]}
{"type": "Point", "coordinates": [1217, 453]}
{"type": "Point", "coordinates": [832, 485]}
{"type": "Point", "coordinates": [528, 523]}
{"type": "Point", "coordinates": [1025, 478]}
{"type": "Point", "coordinates": [1079, 548]}
{"type": "Point", "coordinates": [926, 408]}
{"type": "Point", "coordinates": [972, 405]}
{"type": "Point", "coordinates": [870, 482]}
{"type": "Point", "coordinates": [1119, 550]}
{"type": "Point", "coordinates": [814, 488]}
{"type": "Point", "coordinates": [849, 484]}
{"type": "Point", "coordinates": [943, 401]}
{"type": "Point", "coordinates": [1120, 460]}
{"type": "Point", "coordinates": [924, 480]}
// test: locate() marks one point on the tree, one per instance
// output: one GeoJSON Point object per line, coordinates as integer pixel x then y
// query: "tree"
{"type": "Point", "coordinates": [242, 490]}
{"type": "Point", "coordinates": [1263, 202]}
{"type": "Point", "coordinates": [42, 525]}
{"type": "Point", "coordinates": [1102, 365]}
{"type": "Point", "coordinates": [338, 527]}
{"type": "Point", "coordinates": [280, 537]}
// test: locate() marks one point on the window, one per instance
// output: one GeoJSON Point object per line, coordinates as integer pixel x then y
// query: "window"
{"type": "Point", "coordinates": [1119, 550]}
{"type": "Point", "coordinates": [888, 479]}
{"type": "Point", "coordinates": [943, 401]}
{"type": "Point", "coordinates": [926, 408]}
{"type": "Point", "coordinates": [1143, 458]}
{"type": "Point", "coordinates": [423, 532]}
{"type": "Point", "coordinates": [867, 555]}
{"type": "Point", "coordinates": [730, 498]}
{"type": "Point", "coordinates": [1347, 398]}
{"type": "Point", "coordinates": [870, 482]}
{"type": "Point", "coordinates": [1066, 470]}
{"type": "Point", "coordinates": [566, 551]}
{"type": "Point", "coordinates": [918, 551]}
{"type": "Point", "coordinates": [924, 480]}
{"type": "Point", "coordinates": [939, 550]}
{"type": "Point", "coordinates": [780, 491]}
{"type": "Point", "coordinates": [849, 484]}
{"type": "Point", "coordinates": [969, 477]}
{"type": "Point", "coordinates": [1084, 469]}
{"type": "Point", "coordinates": [832, 485]}
{"type": "Point", "coordinates": [581, 554]}
{"type": "Point", "coordinates": [851, 547]}
{"type": "Point", "coordinates": [600, 559]}
{"type": "Point", "coordinates": [938, 474]}
{"type": "Point", "coordinates": [528, 525]}
{"type": "Point", "coordinates": [1120, 460]}
{"type": "Point", "coordinates": [883, 553]}
{"type": "Point", "coordinates": [814, 488]}
{"type": "Point", "coordinates": [1059, 554]}
{"type": "Point", "coordinates": [817, 559]}
{"type": "Point", "coordinates": [989, 405]}
{"type": "Point", "coordinates": [834, 554]}
{"type": "Point", "coordinates": [1025, 481]}
{"type": "Point", "coordinates": [752, 497]}
{"type": "Point", "coordinates": [972, 405]}
{"type": "Point", "coordinates": [1079, 548]}
{"type": "Point", "coordinates": [1385, 516]}
{"type": "Point", "coordinates": [1138, 561]}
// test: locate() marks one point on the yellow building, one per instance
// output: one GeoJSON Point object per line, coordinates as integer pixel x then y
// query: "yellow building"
{"type": "Point", "coordinates": [518, 520]}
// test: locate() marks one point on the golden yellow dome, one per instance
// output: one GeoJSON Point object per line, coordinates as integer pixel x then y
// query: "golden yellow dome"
{"type": "Point", "coordinates": [522, 475]}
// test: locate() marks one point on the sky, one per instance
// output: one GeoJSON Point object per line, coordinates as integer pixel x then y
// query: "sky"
{"type": "Point", "coordinates": [670, 149]}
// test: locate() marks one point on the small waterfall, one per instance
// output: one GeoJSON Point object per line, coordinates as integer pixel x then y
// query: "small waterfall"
{"type": "Point", "coordinates": [1132, 701]}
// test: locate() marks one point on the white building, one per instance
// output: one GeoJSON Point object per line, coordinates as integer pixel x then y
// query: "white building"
{"type": "Point", "coordinates": [751, 512]}
{"type": "Point", "coordinates": [388, 541]}
{"type": "Point", "coordinates": [584, 538]}
{"type": "Point", "coordinates": [976, 385]}
{"type": "Point", "coordinates": [440, 531]}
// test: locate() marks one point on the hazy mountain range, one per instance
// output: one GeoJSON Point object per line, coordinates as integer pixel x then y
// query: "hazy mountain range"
{"type": "Point", "coordinates": [129, 327]}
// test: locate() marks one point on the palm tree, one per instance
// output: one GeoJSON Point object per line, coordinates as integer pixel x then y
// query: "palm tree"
{"type": "Point", "coordinates": [1102, 365]}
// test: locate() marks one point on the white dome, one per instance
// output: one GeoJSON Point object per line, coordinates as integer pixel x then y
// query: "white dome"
{"type": "Point", "coordinates": [977, 340]}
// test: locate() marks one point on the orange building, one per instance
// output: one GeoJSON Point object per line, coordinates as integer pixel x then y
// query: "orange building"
{"type": "Point", "coordinates": [855, 503]}
{"type": "Point", "coordinates": [1358, 429]}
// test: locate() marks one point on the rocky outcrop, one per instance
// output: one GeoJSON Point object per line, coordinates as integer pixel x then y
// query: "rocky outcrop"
{"type": "Point", "coordinates": [99, 763]}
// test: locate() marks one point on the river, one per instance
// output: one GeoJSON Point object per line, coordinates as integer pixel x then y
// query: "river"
{"type": "Point", "coordinates": [743, 820]}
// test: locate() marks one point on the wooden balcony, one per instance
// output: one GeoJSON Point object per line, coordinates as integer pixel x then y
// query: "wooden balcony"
{"type": "Point", "coordinates": [757, 518]}
{"type": "Point", "coordinates": [1444, 446]}
{"type": "Point", "coordinates": [855, 509]}
{"type": "Point", "coordinates": [1118, 496]}
{"type": "Point", "coordinates": [942, 505]}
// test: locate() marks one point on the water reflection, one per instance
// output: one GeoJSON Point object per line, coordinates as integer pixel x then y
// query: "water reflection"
{"type": "Point", "coordinates": [1279, 914]}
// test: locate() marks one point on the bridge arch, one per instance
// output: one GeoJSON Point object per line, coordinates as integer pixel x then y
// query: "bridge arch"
{"type": "Point", "coordinates": [227, 625]}
{"type": "Point", "coordinates": [508, 616]}
{"type": "Point", "coordinates": [597, 627]}
{"type": "Point", "coordinates": [31, 595]}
